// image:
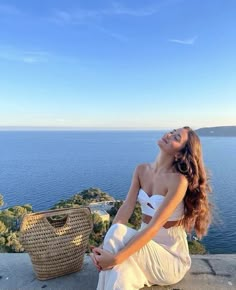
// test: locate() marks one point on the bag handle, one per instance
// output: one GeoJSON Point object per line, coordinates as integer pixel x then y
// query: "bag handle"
{"type": "Point", "coordinates": [51, 213]}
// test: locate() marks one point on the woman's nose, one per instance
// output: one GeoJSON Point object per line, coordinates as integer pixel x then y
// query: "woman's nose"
{"type": "Point", "coordinates": [168, 135]}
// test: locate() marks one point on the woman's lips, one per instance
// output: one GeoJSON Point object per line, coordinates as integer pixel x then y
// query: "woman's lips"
{"type": "Point", "coordinates": [164, 140]}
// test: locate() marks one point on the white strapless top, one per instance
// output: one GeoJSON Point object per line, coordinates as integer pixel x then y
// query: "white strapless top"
{"type": "Point", "coordinates": [150, 204]}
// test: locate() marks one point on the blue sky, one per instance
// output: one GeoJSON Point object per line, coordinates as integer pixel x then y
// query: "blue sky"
{"type": "Point", "coordinates": [117, 64]}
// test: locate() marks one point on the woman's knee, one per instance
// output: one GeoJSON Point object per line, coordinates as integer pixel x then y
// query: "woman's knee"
{"type": "Point", "coordinates": [117, 237]}
{"type": "Point", "coordinates": [116, 231]}
{"type": "Point", "coordinates": [114, 239]}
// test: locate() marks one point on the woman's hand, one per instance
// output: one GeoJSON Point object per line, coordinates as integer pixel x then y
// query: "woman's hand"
{"type": "Point", "coordinates": [104, 259]}
{"type": "Point", "coordinates": [93, 258]}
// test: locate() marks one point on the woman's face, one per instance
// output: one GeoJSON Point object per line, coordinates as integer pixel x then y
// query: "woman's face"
{"type": "Point", "coordinates": [173, 141]}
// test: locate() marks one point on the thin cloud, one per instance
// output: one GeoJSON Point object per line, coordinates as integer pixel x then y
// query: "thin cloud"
{"type": "Point", "coordinates": [63, 17]}
{"type": "Point", "coordinates": [88, 18]}
{"type": "Point", "coordinates": [188, 41]}
{"type": "Point", "coordinates": [93, 18]}
{"type": "Point", "coordinates": [119, 9]}
{"type": "Point", "coordinates": [80, 16]}
{"type": "Point", "coordinates": [29, 57]}
{"type": "Point", "coordinates": [114, 35]}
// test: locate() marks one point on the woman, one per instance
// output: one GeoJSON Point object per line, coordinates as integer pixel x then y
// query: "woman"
{"type": "Point", "coordinates": [173, 193]}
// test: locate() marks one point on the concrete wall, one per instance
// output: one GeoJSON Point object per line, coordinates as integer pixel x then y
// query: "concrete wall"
{"type": "Point", "coordinates": [208, 272]}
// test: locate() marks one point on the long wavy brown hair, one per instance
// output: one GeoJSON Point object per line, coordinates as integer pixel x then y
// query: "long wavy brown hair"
{"type": "Point", "coordinates": [197, 207]}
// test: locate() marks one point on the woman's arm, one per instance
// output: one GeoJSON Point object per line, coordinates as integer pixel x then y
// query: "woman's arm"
{"type": "Point", "coordinates": [125, 211]}
{"type": "Point", "coordinates": [127, 208]}
{"type": "Point", "coordinates": [176, 190]}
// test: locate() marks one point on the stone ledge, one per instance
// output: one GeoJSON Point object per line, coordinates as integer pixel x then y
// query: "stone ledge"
{"type": "Point", "coordinates": [208, 272]}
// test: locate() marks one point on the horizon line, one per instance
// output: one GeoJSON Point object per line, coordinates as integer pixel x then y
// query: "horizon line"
{"type": "Point", "coordinates": [71, 128]}
{"type": "Point", "coordinates": [75, 128]}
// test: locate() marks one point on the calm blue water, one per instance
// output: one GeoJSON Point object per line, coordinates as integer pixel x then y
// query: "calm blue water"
{"type": "Point", "coordinates": [41, 168]}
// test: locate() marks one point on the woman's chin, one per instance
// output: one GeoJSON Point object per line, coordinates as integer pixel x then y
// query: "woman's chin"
{"type": "Point", "coordinates": [160, 143]}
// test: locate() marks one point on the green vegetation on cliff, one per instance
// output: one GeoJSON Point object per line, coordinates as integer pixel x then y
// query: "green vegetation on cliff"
{"type": "Point", "coordinates": [11, 218]}
{"type": "Point", "coordinates": [1, 200]}
{"type": "Point", "coordinates": [196, 248]}
{"type": "Point", "coordinates": [84, 198]}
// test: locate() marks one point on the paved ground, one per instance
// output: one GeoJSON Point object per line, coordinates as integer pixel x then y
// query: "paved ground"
{"type": "Point", "coordinates": [208, 272]}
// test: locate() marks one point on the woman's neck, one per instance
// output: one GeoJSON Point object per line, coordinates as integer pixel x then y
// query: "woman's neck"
{"type": "Point", "coordinates": [163, 163]}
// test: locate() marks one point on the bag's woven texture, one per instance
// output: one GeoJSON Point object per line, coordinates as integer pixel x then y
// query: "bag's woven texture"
{"type": "Point", "coordinates": [56, 246]}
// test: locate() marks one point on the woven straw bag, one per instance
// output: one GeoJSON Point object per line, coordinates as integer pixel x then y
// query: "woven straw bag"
{"type": "Point", "coordinates": [56, 240]}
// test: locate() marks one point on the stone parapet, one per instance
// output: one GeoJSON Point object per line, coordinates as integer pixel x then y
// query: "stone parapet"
{"type": "Point", "coordinates": [208, 272]}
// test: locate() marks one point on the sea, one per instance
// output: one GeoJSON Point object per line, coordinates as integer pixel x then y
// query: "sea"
{"type": "Point", "coordinates": [43, 167]}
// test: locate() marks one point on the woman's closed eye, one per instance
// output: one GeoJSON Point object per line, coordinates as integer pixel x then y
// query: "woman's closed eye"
{"type": "Point", "coordinates": [177, 138]}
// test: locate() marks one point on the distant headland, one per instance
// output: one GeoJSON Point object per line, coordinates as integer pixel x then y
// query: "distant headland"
{"type": "Point", "coordinates": [221, 131]}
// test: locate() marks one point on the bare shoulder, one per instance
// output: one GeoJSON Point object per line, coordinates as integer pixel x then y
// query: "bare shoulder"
{"type": "Point", "coordinates": [142, 168]}
{"type": "Point", "coordinates": [175, 180]}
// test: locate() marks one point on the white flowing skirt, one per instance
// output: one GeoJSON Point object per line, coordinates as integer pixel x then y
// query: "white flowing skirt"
{"type": "Point", "coordinates": [162, 261]}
